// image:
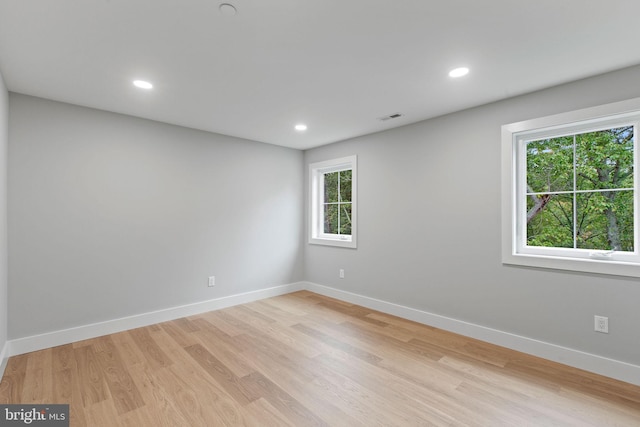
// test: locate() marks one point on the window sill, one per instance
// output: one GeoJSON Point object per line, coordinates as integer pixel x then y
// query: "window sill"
{"type": "Point", "coordinates": [333, 242]}
{"type": "Point", "coordinates": [597, 266]}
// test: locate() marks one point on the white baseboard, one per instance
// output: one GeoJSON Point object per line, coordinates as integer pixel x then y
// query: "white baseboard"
{"type": "Point", "coordinates": [589, 362]}
{"type": "Point", "coordinates": [578, 359]}
{"type": "Point", "coordinates": [66, 336]}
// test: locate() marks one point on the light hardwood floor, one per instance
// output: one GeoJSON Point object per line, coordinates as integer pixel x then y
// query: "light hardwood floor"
{"type": "Point", "coordinates": [307, 360]}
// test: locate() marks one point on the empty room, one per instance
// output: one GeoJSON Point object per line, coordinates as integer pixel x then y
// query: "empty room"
{"type": "Point", "coordinates": [320, 213]}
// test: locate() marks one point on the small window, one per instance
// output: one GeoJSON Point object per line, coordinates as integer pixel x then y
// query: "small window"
{"type": "Point", "coordinates": [333, 202]}
{"type": "Point", "coordinates": [570, 196]}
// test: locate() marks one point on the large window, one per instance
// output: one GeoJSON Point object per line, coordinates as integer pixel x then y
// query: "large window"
{"type": "Point", "coordinates": [333, 202]}
{"type": "Point", "coordinates": [570, 196]}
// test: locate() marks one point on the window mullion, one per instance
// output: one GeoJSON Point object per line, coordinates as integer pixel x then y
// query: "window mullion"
{"type": "Point", "coordinates": [575, 196]}
{"type": "Point", "coordinates": [636, 215]}
{"type": "Point", "coordinates": [339, 200]}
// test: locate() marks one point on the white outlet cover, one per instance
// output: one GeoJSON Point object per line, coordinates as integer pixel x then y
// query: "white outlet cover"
{"type": "Point", "coordinates": [601, 324]}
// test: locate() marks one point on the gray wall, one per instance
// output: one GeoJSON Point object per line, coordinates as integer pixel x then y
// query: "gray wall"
{"type": "Point", "coordinates": [429, 229]}
{"type": "Point", "coordinates": [4, 141]}
{"type": "Point", "coordinates": [111, 216]}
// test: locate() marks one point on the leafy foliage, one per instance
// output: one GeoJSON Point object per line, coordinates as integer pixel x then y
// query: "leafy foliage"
{"type": "Point", "coordinates": [579, 190]}
{"type": "Point", "coordinates": [337, 202]}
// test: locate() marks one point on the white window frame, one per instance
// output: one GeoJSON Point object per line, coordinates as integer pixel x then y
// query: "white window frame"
{"type": "Point", "coordinates": [514, 138]}
{"type": "Point", "coordinates": [316, 204]}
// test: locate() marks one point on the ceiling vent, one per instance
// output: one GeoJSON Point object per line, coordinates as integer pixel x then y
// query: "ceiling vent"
{"type": "Point", "coordinates": [391, 116]}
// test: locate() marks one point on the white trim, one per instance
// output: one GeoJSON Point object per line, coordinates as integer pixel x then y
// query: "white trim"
{"type": "Point", "coordinates": [578, 359]}
{"type": "Point", "coordinates": [620, 264]}
{"type": "Point", "coordinates": [66, 336]}
{"type": "Point", "coordinates": [590, 362]}
{"type": "Point", "coordinates": [4, 358]}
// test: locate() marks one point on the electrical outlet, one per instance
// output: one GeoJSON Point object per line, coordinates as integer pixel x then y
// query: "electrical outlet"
{"type": "Point", "coordinates": [341, 272]}
{"type": "Point", "coordinates": [601, 324]}
{"type": "Point", "coordinates": [212, 281]}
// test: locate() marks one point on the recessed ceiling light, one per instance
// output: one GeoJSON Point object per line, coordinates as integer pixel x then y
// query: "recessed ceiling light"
{"type": "Point", "coordinates": [228, 9]}
{"type": "Point", "coordinates": [301, 127]}
{"type": "Point", "coordinates": [142, 84]}
{"type": "Point", "coordinates": [459, 72]}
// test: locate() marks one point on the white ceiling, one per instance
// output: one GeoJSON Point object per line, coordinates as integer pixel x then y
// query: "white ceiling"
{"type": "Point", "coordinates": [337, 66]}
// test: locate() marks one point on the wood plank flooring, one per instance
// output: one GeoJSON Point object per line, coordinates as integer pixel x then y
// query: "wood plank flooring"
{"type": "Point", "coordinates": [307, 360]}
